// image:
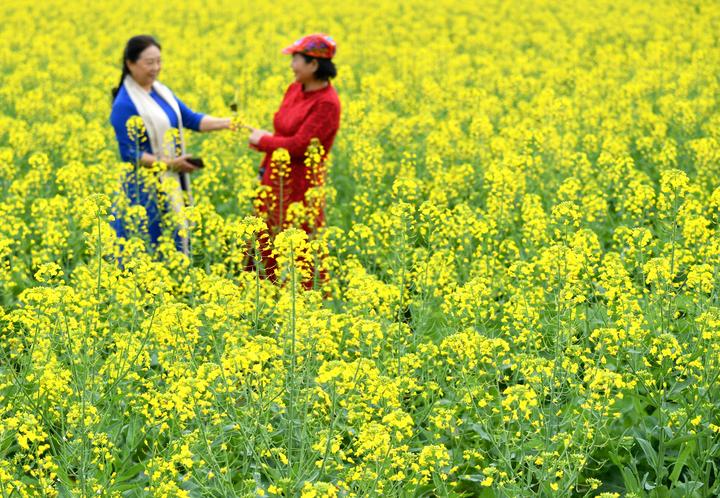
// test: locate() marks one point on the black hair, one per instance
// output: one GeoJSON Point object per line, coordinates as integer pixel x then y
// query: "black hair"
{"type": "Point", "coordinates": [133, 49]}
{"type": "Point", "coordinates": [326, 69]}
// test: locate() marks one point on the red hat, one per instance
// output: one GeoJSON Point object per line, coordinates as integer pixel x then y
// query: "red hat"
{"type": "Point", "coordinates": [316, 45]}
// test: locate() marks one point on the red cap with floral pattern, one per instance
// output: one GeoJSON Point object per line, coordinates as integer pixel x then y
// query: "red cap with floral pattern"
{"type": "Point", "coordinates": [316, 45]}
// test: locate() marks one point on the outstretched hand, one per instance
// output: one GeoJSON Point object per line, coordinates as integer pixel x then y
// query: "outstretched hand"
{"type": "Point", "coordinates": [236, 125]}
{"type": "Point", "coordinates": [256, 135]}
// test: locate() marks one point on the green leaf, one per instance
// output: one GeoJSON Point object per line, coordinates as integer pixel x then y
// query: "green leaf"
{"type": "Point", "coordinates": [686, 451]}
{"type": "Point", "coordinates": [690, 489]}
{"type": "Point", "coordinates": [129, 472]}
{"type": "Point", "coordinates": [660, 492]}
{"type": "Point", "coordinates": [649, 451]}
{"type": "Point", "coordinates": [481, 432]}
{"type": "Point", "coordinates": [632, 483]}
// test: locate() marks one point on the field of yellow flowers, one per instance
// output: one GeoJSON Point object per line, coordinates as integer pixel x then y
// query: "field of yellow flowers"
{"type": "Point", "coordinates": [522, 243]}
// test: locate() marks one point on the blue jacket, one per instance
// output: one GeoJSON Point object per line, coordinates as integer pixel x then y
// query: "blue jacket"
{"type": "Point", "coordinates": [123, 108]}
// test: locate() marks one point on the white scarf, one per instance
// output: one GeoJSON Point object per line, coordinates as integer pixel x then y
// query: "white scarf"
{"type": "Point", "coordinates": [157, 125]}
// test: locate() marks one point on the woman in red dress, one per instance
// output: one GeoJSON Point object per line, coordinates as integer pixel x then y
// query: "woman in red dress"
{"type": "Point", "coordinates": [308, 118]}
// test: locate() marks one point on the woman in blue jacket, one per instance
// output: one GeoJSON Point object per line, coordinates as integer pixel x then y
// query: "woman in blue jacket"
{"type": "Point", "coordinates": [154, 139]}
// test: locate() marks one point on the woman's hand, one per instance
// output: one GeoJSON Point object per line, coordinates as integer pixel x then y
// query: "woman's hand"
{"type": "Point", "coordinates": [256, 135]}
{"type": "Point", "coordinates": [237, 125]}
{"type": "Point", "coordinates": [181, 165]}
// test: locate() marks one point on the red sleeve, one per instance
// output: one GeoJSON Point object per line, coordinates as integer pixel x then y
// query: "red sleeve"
{"type": "Point", "coordinates": [321, 123]}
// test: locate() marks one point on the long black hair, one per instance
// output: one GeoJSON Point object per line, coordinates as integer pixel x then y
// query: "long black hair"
{"type": "Point", "coordinates": [326, 69]}
{"type": "Point", "coordinates": [133, 49]}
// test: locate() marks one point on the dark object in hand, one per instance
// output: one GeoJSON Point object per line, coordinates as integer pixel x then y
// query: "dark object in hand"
{"type": "Point", "coordinates": [196, 161]}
